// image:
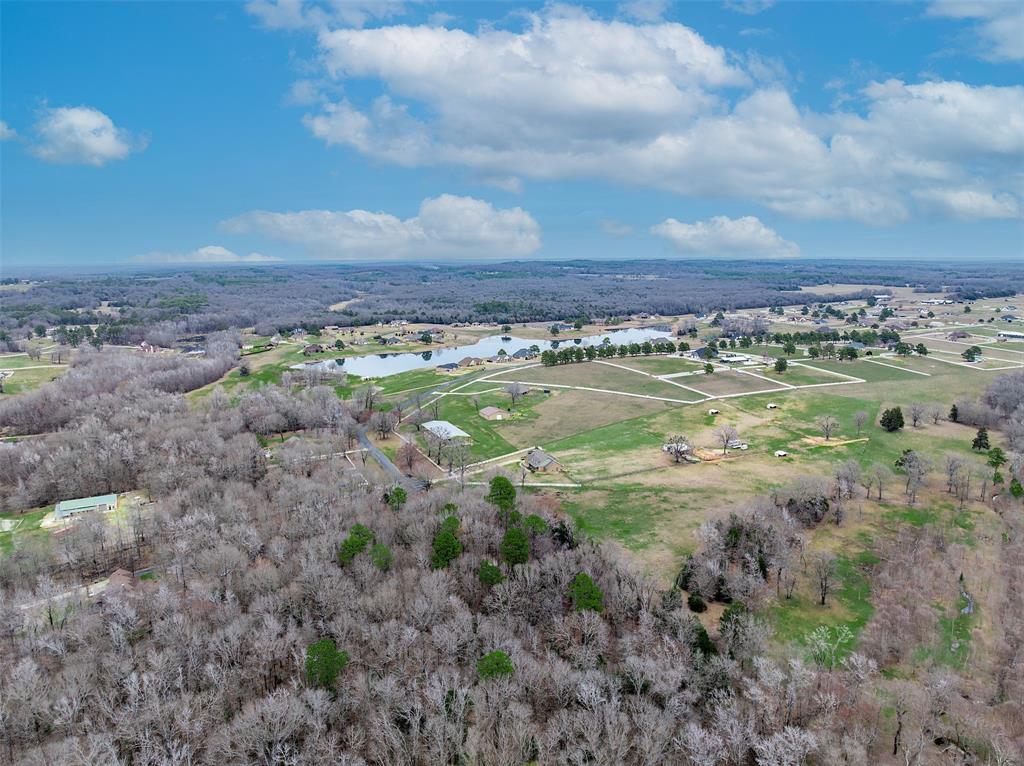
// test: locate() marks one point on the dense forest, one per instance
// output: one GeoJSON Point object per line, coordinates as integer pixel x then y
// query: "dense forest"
{"type": "Point", "coordinates": [131, 307]}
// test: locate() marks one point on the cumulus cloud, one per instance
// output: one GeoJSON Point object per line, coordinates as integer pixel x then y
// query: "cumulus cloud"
{"type": "Point", "coordinates": [969, 204]}
{"type": "Point", "coordinates": [1000, 25]}
{"type": "Point", "coordinates": [207, 254]}
{"type": "Point", "coordinates": [446, 226]}
{"type": "Point", "coordinates": [574, 96]}
{"type": "Point", "coordinates": [7, 132]}
{"type": "Point", "coordinates": [724, 237]}
{"type": "Point", "coordinates": [82, 135]}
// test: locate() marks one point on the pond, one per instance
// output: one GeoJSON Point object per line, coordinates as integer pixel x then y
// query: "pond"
{"type": "Point", "coordinates": [382, 365]}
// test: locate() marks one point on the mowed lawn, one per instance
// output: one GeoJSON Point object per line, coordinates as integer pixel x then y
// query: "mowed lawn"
{"type": "Point", "coordinates": [25, 380]}
{"type": "Point", "coordinates": [729, 382]}
{"type": "Point", "coordinates": [18, 361]}
{"type": "Point", "coordinates": [566, 412]}
{"type": "Point", "coordinates": [659, 365]}
{"type": "Point", "coordinates": [596, 375]}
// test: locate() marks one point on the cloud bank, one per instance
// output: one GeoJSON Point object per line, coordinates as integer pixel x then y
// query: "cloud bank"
{"type": "Point", "coordinates": [446, 226]}
{"type": "Point", "coordinates": [652, 104]}
{"type": "Point", "coordinates": [207, 254]}
{"type": "Point", "coordinates": [722, 236]}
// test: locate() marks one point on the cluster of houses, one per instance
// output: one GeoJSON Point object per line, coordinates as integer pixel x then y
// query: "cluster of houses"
{"type": "Point", "coordinates": [522, 355]}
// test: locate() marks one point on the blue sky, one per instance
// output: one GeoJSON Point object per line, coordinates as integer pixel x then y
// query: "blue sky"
{"type": "Point", "coordinates": [141, 134]}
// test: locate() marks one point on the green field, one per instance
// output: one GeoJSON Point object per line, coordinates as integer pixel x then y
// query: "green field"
{"type": "Point", "coordinates": [660, 365]}
{"type": "Point", "coordinates": [597, 375]}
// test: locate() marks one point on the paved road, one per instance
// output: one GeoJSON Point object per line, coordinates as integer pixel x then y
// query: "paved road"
{"type": "Point", "coordinates": [408, 482]}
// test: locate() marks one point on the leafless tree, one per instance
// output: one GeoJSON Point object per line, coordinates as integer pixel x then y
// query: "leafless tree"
{"type": "Point", "coordinates": [824, 570]}
{"type": "Point", "coordinates": [916, 411]}
{"type": "Point", "coordinates": [935, 414]}
{"type": "Point", "coordinates": [725, 434]}
{"type": "Point", "coordinates": [881, 474]}
{"type": "Point", "coordinates": [860, 417]}
{"type": "Point", "coordinates": [408, 456]}
{"type": "Point", "coordinates": [827, 424]}
{"type": "Point", "coordinates": [383, 423]}
{"type": "Point", "coordinates": [516, 391]}
{"type": "Point", "coordinates": [916, 468]}
{"type": "Point", "coordinates": [678, 447]}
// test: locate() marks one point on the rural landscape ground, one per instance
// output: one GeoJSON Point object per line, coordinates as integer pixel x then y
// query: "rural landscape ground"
{"type": "Point", "coordinates": [772, 418]}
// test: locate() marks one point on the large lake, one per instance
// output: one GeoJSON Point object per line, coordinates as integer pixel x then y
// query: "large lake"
{"type": "Point", "coordinates": [381, 365]}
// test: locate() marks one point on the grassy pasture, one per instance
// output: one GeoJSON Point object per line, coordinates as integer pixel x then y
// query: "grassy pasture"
{"type": "Point", "coordinates": [728, 382]}
{"type": "Point", "coordinates": [660, 365]}
{"type": "Point", "coordinates": [597, 375]}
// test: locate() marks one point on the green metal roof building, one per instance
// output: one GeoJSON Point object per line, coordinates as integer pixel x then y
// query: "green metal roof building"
{"type": "Point", "coordinates": [67, 508]}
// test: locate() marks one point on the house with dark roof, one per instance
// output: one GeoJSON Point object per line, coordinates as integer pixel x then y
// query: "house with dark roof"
{"type": "Point", "coordinates": [525, 353]}
{"type": "Point", "coordinates": [540, 461]}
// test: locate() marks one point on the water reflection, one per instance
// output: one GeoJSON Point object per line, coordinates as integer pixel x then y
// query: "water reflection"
{"type": "Point", "coordinates": [382, 365]}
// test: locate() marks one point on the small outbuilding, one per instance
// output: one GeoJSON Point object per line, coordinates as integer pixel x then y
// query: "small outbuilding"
{"type": "Point", "coordinates": [493, 413]}
{"type": "Point", "coordinates": [442, 429]}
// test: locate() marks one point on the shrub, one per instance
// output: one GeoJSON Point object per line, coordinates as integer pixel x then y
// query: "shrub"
{"type": "Point", "coordinates": [535, 525]}
{"type": "Point", "coordinates": [892, 419]}
{"type": "Point", "coordinates": [494, 664]}
{"type": "Point", "coordinates": [585, 594]}
{"type": "Point", "coordinates": [446, 549]}
{"type": "Point", "coordinates": [502, 493]}
{"type": "Point", "coordinates": [324, 662]}
{"type": "Point", "coordinates": [381, 556]}
{"type": "Point", "coordinates": [980, 440]}
{"type": "Point", "coordinates": [702, 641]}
{"type": "Point", "coordinates": [696, 603]}
{"type": "Point", "coordinates": [489, 573]}
{"type": "Point", "coordinates": [515, 546]}
{"type": "Point", "coordinates": [358, 538]}
{"type": "Point", "coordinates": [396, 498]}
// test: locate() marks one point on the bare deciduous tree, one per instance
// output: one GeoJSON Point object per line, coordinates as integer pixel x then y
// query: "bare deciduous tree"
{"type": "Point", "coordinates": [827, 424]}
{"type": "Point", "coordinates": [724, 435]}
{"type": "Point", "coordinates": [916, 411]}
{"type": "Point", "coordinates": [824, 570]}
{"type": "Point", "coordinates": [516, 391]}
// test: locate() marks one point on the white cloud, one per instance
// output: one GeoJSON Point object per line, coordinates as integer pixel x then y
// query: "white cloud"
{"type": "Point", "coordinates": [7, 132]}
{"type": "Point", "coordinates": [207, 254]}
{"type": "Point", "coordinates": [725, 237]}
{"type": "Point", "coordinates": [82, 135]}
{"type": "Point", "coordinates": [616, 228]}
{"type": "Point", "coordinates": [573, 96]}
{"type": "Point", "coordinates": [445, 227]}
{"type": "Point", "coordinates": [969, 204]}
{"type": "Point", "coordinates": [1000, 25]}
